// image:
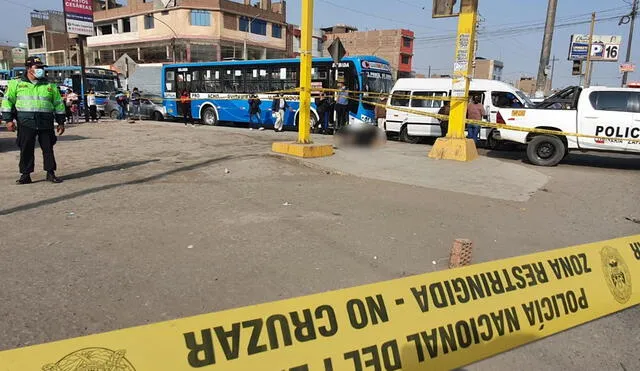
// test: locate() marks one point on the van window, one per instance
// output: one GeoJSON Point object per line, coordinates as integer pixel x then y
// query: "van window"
{"type": "Point", "coordinates": [621, 101]}
{"type": "Point", "coordinates": [421, 99]}
{"type": "Point", "coordinates": [400, 98]}
{"type": "Point", "coordinates": [504, 99]}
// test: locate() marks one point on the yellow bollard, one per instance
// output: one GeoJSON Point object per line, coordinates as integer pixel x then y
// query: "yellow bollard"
{"type": "Point", "coordinates": [304, 147]}
{"type": "Point", "coordinates": [455, 146]}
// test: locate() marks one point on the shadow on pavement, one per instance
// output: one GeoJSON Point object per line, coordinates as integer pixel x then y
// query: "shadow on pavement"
{"type": "Point", "coordinates": [72, 138]}
{"type": "Point", "coordinates": [106, 169]}
{"type": "Point", "coordinates": [8, 145]}
{"type": "Point", "coordinates": [107, 187]}
{"type": "Point", "coordinates": [604, 160]}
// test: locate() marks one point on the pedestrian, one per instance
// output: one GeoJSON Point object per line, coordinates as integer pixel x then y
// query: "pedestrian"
{"type": "Point", "coordinates": [445, 110]}
{"type": "Point", "coordinates": [71, 105]}
{"type": "Point", "coordinates": [35, 104]}
{"type": "Point", "coordinates": [93, 108]}
{"type": "Point", "coordinates": [342, 107]}
{"type": "Point", "coordinates": [475, 111]}
{"type": "Point", "coordinates": [381, 111]}
{"type": "Point", "coordinates": [323, 106]}
{"type": "Point", "coordinates": [279, 107]}
{"type": "Point", "coordinates": [121, 99]}
{"type": "Point", "coordinates": [254, 110]}
{"type": "Point", "coordinates": [185, 106]}
{"type": "Point", "coordinates": [135, 103]}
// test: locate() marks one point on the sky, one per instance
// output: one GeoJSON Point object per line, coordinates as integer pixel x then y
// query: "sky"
{"type": "Point", "coordinates": [519, 50]}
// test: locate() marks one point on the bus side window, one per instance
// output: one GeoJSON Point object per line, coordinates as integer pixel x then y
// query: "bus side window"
{"type": "Point", "coordinates": [278, 78]}
{"type": "Point", "coordinates": [169, 81]}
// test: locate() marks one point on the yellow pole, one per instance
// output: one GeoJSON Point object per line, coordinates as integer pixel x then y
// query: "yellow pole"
{"type": "Point", "coordinates": [304, 131]}
{"type": "Point", "coordinates": [454, 146]}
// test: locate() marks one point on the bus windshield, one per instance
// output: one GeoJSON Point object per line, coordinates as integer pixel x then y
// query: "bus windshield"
{"type": "Point", "coordinates": [377, 82]}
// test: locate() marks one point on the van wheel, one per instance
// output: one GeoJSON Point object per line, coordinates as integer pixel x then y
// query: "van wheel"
{"type": "Point", "coordinates": [405, 137]}
{"type": "Point", "coordinates": [114, 114]}
{"type": "Point", "coordinates": [209, 116]}
{"type": "Point", "coordinates": [546, 150]}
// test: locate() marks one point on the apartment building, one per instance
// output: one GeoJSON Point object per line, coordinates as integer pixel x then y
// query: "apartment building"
{"type": "Point", "coordinates": [152, 31]}
{"type": "Point", "coordinates": [48, 39]}
{"type": "Point", "coordinates": [395, 46]}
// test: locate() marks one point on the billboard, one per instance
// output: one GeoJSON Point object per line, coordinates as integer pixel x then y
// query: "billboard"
{"type": "Point", "coordinates": [603, 48]}
{"type": "Point", "coordinates": [78, 16]}
{"type": "Point", "coordinates": [19, 56]}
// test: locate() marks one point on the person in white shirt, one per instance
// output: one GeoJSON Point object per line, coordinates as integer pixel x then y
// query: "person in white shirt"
{"type": "Point", "coordinates": [279, 107]}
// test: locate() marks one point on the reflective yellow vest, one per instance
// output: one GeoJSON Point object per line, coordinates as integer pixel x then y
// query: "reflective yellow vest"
{"type": "Point", "coordinates": [33, 105]}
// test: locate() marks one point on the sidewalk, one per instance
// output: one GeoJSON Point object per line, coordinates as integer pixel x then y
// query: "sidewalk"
{"type": "Point", "coordinates": [406, 164]}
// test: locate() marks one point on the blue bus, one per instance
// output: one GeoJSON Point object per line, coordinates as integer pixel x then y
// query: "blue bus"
{"type": "Point", "coordinates": [105, 82]}
{"type": "Point", "coordinates": [220, 90]}
{"type": "Point", "coordinates": [5, 74]}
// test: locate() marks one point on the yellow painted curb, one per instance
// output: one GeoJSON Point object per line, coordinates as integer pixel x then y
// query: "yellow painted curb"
{"type": "Point", "coordinates": [458, 149]}
{"type": "Point", "coordinates": [303, 150]}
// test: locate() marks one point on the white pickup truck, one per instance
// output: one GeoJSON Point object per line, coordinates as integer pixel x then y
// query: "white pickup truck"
{"type": "Point", "coordinates": [610, 113]}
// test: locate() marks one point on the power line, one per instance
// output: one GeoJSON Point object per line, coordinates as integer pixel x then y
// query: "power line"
{"type": "Point", "coordinates": [509, 32]}
{"type": "Point", "coordinates": [360, 12]}
{"type": "Point", "coordinates": [19, 4]}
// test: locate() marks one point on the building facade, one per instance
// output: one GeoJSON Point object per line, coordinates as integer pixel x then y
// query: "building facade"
{"type": "Point", "coordinates": [395, 46]}
{"type": "Point", "coordinates": [160, 31]}
{"type": "Point", "coordinates": [527, 85]}
{"type": "Point", "coordinates": [317, 42]}
{"type": "Point", "coordinates": [48, 39]}
{"type": "Point", "coordinates": [489, 69]}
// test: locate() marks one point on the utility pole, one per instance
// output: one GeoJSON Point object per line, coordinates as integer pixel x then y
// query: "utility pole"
{"type": "Point", "coordinates": [587, 77]}
{"type": "Point", "coordinates": [541, 82]}
{"type": "Point", "coordinates": [634, 10]}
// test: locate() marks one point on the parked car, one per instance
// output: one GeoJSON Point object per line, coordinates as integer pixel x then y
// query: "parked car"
{"type": "Point", "coordinates": [414, 94]}
{"type": "Point", "coordinates": [152, 111]}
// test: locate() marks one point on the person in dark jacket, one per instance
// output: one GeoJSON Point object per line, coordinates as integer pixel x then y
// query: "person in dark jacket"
{"type": "Point", "coordinates": [34, 103]}
{"type": "Point", "coordinates": [323, 107]}
{"type": "Point", "coordinates": [254, 110]}
{"type": "Point", "coordinates": [444, 123]}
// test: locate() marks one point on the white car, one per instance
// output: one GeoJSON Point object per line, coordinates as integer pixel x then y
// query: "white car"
{"type": "Point", "coordinates": [609, 119]}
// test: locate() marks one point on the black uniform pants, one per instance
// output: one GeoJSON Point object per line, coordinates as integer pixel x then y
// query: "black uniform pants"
{"type": "Point", "coordinates": [343, 115]}
{"type": "Point", "coordinates": [27, 143]}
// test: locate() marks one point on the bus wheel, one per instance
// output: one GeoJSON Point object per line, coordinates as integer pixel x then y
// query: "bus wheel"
{"type": "Point", "coordinates": [313, 122]}
{"type": "Point", "coordinates": [209, 116]}
{"type": "Point", "coordinates": [405, 137]}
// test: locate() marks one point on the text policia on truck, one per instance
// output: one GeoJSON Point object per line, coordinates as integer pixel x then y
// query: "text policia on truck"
{"type": "Point", "coordinates": [219, 90]}
{"type": "Point", "coordinates": [597, 118]}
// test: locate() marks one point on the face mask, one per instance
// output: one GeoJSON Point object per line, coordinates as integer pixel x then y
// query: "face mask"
{"type": "Point", "coordinates": [39, 73]}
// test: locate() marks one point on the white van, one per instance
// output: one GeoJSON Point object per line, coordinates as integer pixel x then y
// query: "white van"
{"type": "Point", "coordinates": [411, 94]}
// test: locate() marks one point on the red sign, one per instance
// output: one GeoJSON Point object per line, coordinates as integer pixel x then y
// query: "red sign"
{"type": "Point", "coordinates": [79, 16]}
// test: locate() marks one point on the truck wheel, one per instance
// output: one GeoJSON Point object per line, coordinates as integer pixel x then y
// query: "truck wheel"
{"type": "Point", "coordinates": [405, 137]}
{"type": "Point", "coordinates": [546, 150]}
{"type": "Point", "coordinates": [492, 142]}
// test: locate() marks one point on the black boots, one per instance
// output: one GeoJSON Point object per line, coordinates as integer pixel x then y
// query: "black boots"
{"type": "Point", "coordinates": [24, 179]}
{"type": "Point", "coordinates": [51, 177]}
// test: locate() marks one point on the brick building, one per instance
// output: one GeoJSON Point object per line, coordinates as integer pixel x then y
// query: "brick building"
{"type": "Point", "coordinates": [489, 69]}
{"type": "Point", "coordinates": [48, 39]}
{"type": "Point", "coordinates": [395, 46]}
{"type": "Point", "coordinates": [527, 85]}
{"type": "Point", "coordinates": [152, 31]}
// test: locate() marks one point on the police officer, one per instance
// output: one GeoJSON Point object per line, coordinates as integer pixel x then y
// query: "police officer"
{"type": "Point", "coordinates": [34, 103]}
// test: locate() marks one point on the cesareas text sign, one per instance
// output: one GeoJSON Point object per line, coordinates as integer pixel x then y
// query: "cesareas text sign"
{"type": "Point", "coordinates": [439, 320]}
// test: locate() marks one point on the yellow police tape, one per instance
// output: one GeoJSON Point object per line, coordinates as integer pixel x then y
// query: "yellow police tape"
{"type": "Point", "coordinates": [434, 321]}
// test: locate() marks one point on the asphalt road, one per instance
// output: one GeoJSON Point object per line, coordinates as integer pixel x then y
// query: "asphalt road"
{"type": "Point", "coordinates": [158, 221]}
